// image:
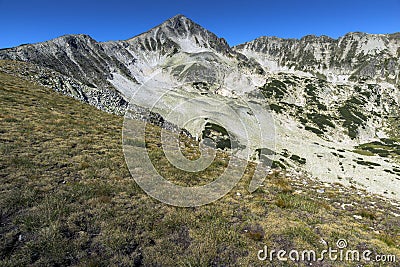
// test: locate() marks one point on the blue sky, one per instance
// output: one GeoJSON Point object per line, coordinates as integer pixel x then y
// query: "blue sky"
{"type": "Point", "coordinates": [236, 21]}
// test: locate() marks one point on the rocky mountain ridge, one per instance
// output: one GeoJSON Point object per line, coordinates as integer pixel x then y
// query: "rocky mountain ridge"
{"type": "Point", "coordinates": [329, 98]}
{"type": "Point", "coordinates": [352, 57]}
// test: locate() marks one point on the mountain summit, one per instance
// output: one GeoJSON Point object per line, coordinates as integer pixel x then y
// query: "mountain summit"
{"type": "Point", "coordinates": [187, 35]}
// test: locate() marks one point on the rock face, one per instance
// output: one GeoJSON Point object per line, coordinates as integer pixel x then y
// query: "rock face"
{"type": "Point", "coordinates": [180, 34]}
{"type": "Point", "coordinates": [76, 56]}
{"type": "Point", "coordinates": [334, 101]}
{"type": "Point", "coordinates": [179, 42]}
{"type": "Point", "coordinates": [355, 56]}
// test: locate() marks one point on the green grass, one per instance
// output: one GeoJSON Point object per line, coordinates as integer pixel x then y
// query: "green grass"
{"type": "Point", "coordinates": [363, 152]}
{"type": "Point", "coordinates": [297, 202]}
{"type": "Point", "coordinates": [67, 198]}
{"type": "Point", "coordinates": [385, 147]}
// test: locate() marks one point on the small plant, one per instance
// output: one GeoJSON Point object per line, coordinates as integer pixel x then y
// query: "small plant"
{"type": "Point", "coordinates": [255, 232]}
{"type": "Point", "coordinates": [367, 214]}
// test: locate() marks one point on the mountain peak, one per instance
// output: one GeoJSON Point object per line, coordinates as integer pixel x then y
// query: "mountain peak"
{"type": "Point", "coordinates": [67, 37]}
{"type": "Point", "coordinates": [182, 24]}
{"type": "Point", "coordinates": [180, 31]}
{"type": "Point", "coordinates": [179, 17]}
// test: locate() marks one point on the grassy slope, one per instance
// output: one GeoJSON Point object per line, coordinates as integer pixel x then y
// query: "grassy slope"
{"type": "Point", "coordinates": [66, 197]}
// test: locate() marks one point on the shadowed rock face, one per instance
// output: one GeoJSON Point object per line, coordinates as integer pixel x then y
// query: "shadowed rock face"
{"type": "Point", "coordinates": [77, 56]}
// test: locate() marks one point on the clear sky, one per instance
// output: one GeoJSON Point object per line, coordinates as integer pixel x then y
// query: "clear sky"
{"type": "Point", "coordinates": [237, 21]}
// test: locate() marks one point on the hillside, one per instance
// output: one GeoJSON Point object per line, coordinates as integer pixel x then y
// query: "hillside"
{"type": "Point", "coordinates": [67, 198]}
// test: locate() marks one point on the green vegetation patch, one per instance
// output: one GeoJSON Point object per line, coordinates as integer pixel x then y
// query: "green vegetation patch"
{"type": "Point", "coordinates": [290, 201]}
{"type": "Point", "coordinates": [277, 108]}
{"type": "Point", "coordinates": [298, 159]}
{"type": "Point", "coordinates": [353, 118]}
{"type": "Point", "coordinates": [274, 88]}
{"type": "Point", "coordinates": [314, 130]}
{"type": "Point", "coordinates": [367, 163]}
{"type": "Point", "coordinates": [385, 147]}
{"type": "Point", "coordinates": [321, 120]}
{"type": "Point", "coordinates": [276, 164]}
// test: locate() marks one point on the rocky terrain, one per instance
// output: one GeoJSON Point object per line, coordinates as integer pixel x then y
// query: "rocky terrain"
{"type": "Point", "coordinates": [356, 56]}
{"type": "Point", "coordinates": [334, 103]}
{"type": "Point", "coordinates": [67, 198]}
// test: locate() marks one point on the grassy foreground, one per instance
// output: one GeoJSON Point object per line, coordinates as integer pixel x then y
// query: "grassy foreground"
{"type": "Point", "coordinates": [67, 198]}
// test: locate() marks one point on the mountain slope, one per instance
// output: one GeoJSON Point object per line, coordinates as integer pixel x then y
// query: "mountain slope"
{"type": "Point", "coordinates": [330, 99]}
{"type": "Point", "coordinates": [355, 56]}
{"type": "Point", "coordinates": [67, 198]}
{"type": "Point", "coordinates": [101, 64]}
